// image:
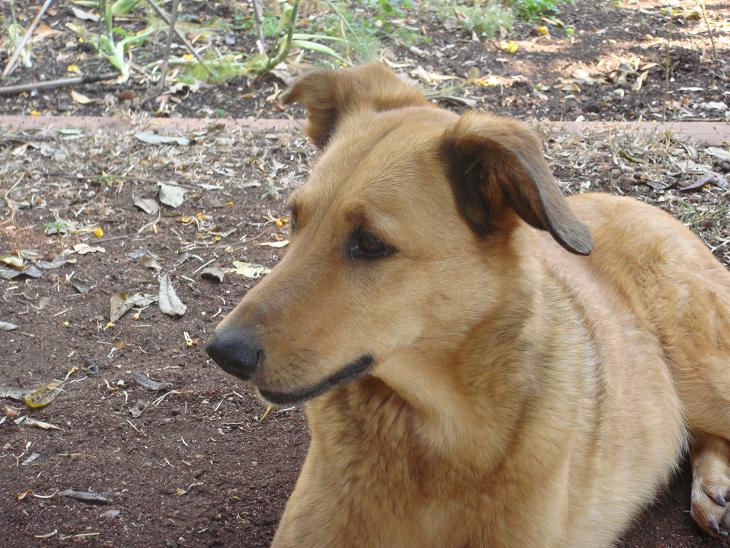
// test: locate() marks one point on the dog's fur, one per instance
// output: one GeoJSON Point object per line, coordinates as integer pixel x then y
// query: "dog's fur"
{"type": "Point", "coordinates": [484, 383]}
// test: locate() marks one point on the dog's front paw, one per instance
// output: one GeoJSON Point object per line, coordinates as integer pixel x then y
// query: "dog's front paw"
{"type": "Point", "coordinates": [711, 485]}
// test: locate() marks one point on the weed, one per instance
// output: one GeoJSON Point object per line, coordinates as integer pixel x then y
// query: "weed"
{"type": "Point", "coordinates": [533, 9]}
{"type": "Point", "coordinates": [112, 50]}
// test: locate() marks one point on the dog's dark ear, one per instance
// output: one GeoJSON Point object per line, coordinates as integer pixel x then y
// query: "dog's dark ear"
{"type": "Point", "coordinates": [329, 94]}
{"type": "Point", "coordinates": [494, 163]}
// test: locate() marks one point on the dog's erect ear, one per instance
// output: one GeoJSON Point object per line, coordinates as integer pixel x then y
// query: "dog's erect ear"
{"type": "Point", "coordinates": [494, 163]}
{"type": "Point", "coordinates": [329, 94]}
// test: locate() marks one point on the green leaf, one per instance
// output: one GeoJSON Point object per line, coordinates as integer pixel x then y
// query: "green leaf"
{"type": "Point", "coordinates": [319, 48]}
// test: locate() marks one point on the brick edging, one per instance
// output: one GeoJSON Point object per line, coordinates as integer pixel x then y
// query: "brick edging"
{"type": "Point", "coordinates": [703, 133]}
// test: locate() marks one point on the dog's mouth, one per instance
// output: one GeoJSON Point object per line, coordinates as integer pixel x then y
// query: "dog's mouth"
{"type": "Point", "coordinates": [350, 372]}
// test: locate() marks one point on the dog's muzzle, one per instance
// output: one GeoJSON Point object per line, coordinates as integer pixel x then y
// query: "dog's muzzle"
{"type": "Point", "coordinates": [236, 351]}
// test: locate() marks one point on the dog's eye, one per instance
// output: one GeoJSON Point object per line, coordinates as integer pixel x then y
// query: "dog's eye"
{"type": "Point", "coordinates": [364, 245]}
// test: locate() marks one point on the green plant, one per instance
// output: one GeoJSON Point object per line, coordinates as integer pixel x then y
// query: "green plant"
{"type": "Point", "coordinates": [488, 19]}
{"type": "Point", "coordinates": [109, 47]}
{"type": "Point", "coordinates": [286, 39]}
{"type": "Point", "coordinates": [533, 9]}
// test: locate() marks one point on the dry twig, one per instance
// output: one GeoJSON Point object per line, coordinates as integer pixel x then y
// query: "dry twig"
{"type": "Point", "coordinates": [61, 82]}
{"type": "Point", "coordinates": [166, 18]}
{"type": "Point", "coordinates": [260, 42]}
{"type": "Point", "coordinates": [709, 28]}
{"type": "Point", "coordinates": [168, 45]}
{"type": "Point", "coordinates": [14, 57]}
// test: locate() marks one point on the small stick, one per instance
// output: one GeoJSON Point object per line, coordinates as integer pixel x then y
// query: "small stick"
{"type": "Point", "coordinates": [179, 34]}
{"type": "Point", "coordinates": [259, 26]}
{"type": "Point", "coordinates": [168, 46]}
{"type": "Point", "coordinates": [51, 84]}
{"type": "Point", "coordinates": [709, 28]}
{"type": "Point", "coordinates": [13, 58]}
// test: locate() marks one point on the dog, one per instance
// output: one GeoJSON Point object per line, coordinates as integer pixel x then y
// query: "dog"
{"type": "Point", "coordinates": [485, 362]}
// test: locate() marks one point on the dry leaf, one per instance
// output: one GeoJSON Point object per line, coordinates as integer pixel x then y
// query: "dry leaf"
{"type": "Point", "coordinates": [169, 302]}
{"type": "Point", "coordinates": [249, 270]}
{"type": "Point", "coordinates": [717, 152]}
{"type": "Point", "coordinates": [121, 302]}
{"type": "Point", "coordinates": [80, 98]}
{"type": "Point", "coordinates": [38, 424]}
{"type": "Point", "coordinates": [281, 243]}
{"type": "Point", "coordinates": [149, 384]}
{"type": "Point", "coordinates": [84, 15]}
{"type": "Point", "coordinates": [212, 273]}
{"type": "Point", "coordinates": [150, 262]}
{"type": "Point", "coordinates": [171, 195]}
{"type": "Point", "coordinates": [154, 139]}
{"type": "Point", "coordinates": [83, 249]}
{"type": "Point", "coordinates": [148, 205]}
{"type": "Point", "coordinates": [7, 326]}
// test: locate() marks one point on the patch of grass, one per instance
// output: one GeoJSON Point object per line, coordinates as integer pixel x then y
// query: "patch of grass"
{"type": "Point", "coordinates": [225, 68]}
{"type": "Point", "coordinates": [530, 10]}
{"type": "Point", "coordinates": [484, 17]}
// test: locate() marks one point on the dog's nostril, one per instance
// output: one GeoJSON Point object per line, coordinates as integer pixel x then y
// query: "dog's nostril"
{"type": "Point", "coordinates": [236, 351]}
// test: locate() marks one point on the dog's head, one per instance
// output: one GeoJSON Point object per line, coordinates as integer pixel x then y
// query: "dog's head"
{"type": "Point", "coordinates": [402, 239]}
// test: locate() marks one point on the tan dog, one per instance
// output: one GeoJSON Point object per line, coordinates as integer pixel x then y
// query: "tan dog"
{"type": "Point", "coordinates": [480, 380]}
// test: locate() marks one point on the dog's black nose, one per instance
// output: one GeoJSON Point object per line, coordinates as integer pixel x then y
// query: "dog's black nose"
{"type": "Point", "coordinates": [236, 351]}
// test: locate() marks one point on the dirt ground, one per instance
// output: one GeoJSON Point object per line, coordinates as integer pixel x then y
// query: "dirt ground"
{"type": "Point", "coordinates": [194, 463]}
{"type": "Point", "coordinates": [625, 61]}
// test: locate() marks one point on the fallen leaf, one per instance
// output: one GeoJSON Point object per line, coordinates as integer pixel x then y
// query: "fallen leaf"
{"type": "Point", "coordinates": [40, 397]}
{"type": "Point", "coordinates": [281, 243]}
{"type": "Point", "coordinates": [80, 98]}
{"type": "Point", "coordinates": [171, 195]}
{"type": "Point", "coordinates": [212, 273]}
{"type": "Point", "coordinates": [44, 31]}
{"type": "Point", "coordinates": [169, 302]}
{"type": "Point", "coordinates": [149, 384]}
{"type": "Point", "coordinates": [714, 105]}
{"type": "Point", "coordinates": [8, 274]}
{"type": "Point", "coordinates": [56, 262]}
{"type": "Point", "coordinates": [121, 302]}
{"type": "Point", "coordinates": [85, 496]}
{"type": "Point", "coordinates": [7, 326]}
{"type": "Point", "coordinates": [640, 81]}
{"type": "Point", "coordinates": [717, 152]}
{"type": "Point", "coordinates": [181, 492]}
{"type": "Point", "coordinates": [33, 457]}
{"type": "Point", "coordinates": [13, 393]}
{"type": "Point", "coordinates": [12, 260]}
{"type": "Point", "coordinates": [430, 77]}
{"type": "Point", "coordinates": [249, 270]}
{"type": "Point", "coordinates": [708, 178]}
{"type": "Point", "coordinates": [37, 424]}
{"type": "Point", "coordinates": [83, 249]}
{"type": "Point", "coordinates": [110, 514]}
{"type": "Point", "coordinates": [79, 285]}
{"type": "Point", "coordinates": [150, 262]}
{"type": "Point", "coordinates": [154, 139]}
{"type": "Point", "coordinates": [84, 15]}
{"type": "Point", "coordinates": [148, 205]}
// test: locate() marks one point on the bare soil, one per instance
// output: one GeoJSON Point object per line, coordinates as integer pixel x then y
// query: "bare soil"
{"type": "Point", "coordinates": [197, 465]}
{"type": "Point", "coordinates": [625, 61]}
